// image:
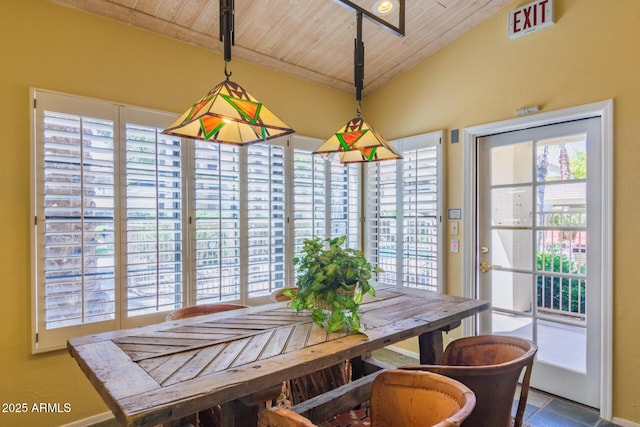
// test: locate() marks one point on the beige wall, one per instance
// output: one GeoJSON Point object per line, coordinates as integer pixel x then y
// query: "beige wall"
{"type": "Point", "coordinates": [589, 55]}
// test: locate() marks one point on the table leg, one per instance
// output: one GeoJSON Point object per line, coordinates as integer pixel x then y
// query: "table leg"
{"type": "Point", "coordinates": [208, 418]}
{"type": "Point", "coordinates": [237, 414]}
{"type": "Point", "coordinates": [431, 348]}
{"type": "Point", "coordinates": [357, 368]}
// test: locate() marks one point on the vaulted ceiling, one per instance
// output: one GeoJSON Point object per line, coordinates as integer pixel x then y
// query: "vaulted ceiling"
{"type": "Point", "coordinates": [310, 39]}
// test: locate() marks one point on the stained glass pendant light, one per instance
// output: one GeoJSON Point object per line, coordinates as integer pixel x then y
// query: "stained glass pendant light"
{"type": "Point", "coordinates": [228, 114]}
{"type": "Point", "coordinates": [357, 141]}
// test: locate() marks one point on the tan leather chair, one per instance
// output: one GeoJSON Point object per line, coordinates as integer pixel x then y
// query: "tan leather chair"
{"type": "Point", "coordinates": [491, 366]}
{"type": "Point", "coordinates": [400, 399]}
{"type": "Point", "coordinates": [278, 296]}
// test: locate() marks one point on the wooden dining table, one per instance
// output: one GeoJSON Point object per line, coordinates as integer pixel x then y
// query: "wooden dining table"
{"type": "Point", "coordinates": [154, 374]}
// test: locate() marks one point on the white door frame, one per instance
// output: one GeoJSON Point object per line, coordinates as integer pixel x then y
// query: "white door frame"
{"type": "Point", "coordinates": [604, 110]}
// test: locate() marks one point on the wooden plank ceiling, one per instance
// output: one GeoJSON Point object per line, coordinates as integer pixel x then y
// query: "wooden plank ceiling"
{"type": "Point", "coordinates": [310, 39]}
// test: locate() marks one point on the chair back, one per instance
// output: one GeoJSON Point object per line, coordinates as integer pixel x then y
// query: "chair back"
{"type": "Point", "coordinates": [416, 398]}
{"type": "Point", "coordinates": [491, 366]}
{"type": "Point", "coordinates": [277, 295]}
{"type": "Point", "coordinates": [202, 309]}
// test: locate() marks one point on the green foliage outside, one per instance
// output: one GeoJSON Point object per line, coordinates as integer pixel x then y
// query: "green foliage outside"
{"type": "Point", "coordinates": [560, 293]}
{"type": "Point", "coordinates": [578, 165]}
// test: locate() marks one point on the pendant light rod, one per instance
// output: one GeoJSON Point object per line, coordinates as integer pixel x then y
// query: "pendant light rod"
{"type": "Point", "coordinates": [356, 141]}
{"type": "Point", "coordinates": [358, 60]}
{"type": "Point", "coordinates": [226, 29]}
{"type": "Point", "coordinates": [399, 30]}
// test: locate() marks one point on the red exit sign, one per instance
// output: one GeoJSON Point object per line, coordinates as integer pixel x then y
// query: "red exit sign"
{"type": "Point", "coordinates": [530, 17]}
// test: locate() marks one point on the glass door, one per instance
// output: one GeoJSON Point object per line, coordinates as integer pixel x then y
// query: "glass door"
{"type": "Point", "coordinates": [539, 252]}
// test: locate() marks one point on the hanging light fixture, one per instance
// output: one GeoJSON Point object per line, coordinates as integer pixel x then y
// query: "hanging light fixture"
{"type": "Point", "coordinates": [357, 141]}
{"type": "Point", "coordinates": [228, 114]}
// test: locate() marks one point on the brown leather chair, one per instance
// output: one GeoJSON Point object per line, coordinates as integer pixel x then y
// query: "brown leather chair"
{"type": "Point", "coordinates": [400, 399]}
{"type": "Point", "coordinates": [491, 366]}
{"type": "Point", "coordinates": [282, 417]}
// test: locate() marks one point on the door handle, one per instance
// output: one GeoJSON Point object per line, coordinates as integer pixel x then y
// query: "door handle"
{"type": "Point", "coordinates": [485, 266]}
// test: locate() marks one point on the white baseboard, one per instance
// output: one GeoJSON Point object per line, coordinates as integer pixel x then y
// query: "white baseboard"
{"type": "Point", "coordinates": [625, 423]}
{"type": "Point", "coordinates": [87, 422]}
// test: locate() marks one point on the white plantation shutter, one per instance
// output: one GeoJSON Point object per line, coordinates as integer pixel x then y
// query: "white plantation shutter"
{"type": "Point", "coordinates": [382, 218]}
{"type": "Point", "coordinates": [78, 220]}
{"type": "Point", "coordinates": [420, 223]}
{"type": "Point", "coordinates": [344, 202]}
{"type": "Point", "coordinates": [310, 195]}
{"type": "Point", "coordinates": [326, 196]}
{"type": "Point", "coordinates": [154, 220]}
{"type": "Point", "coordinates": [266, 218]}
{"type": "Point", "coordinates": [217, 222]}
{"type": "Point", "coordinates": [404, 214]}
{"type": "Point", "coordinates": [74, 163]}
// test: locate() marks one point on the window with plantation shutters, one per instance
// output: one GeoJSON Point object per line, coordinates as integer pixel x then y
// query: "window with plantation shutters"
{"type": "Point", "coordinates": [404, 214]}
{"type": "Point", "coordinates": [74, 207]}
{"type": "Point", "coordinates": [130, 223]}
{"type": "Point", "coordinates": [326, 196]}
{"type": "Point", "coordinates": [216, 222]}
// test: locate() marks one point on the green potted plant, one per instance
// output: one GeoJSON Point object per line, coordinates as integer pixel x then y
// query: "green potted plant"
{"type": "Point", "coordinates": [332, 281]}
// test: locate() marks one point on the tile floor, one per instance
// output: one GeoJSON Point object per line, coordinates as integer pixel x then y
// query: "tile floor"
{"type": "Point", "coordinates": [543, 410]}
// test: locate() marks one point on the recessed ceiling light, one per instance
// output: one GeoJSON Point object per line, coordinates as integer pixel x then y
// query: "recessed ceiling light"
{"type": "Point", "coordinates": [383, 7]}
